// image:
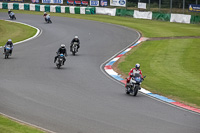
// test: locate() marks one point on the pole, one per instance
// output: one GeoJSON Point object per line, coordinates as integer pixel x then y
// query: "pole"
{"type": "Point", "coordinates": [183, 6]}
{"type": "Point", "coordinates": [149, 4]}
{"type": "Point", "coordinates": [126, 4]}
{"type": "Point", "coordinates": [159, 5]}
{"type": "Point", "coordinates": [170, 6]}
{"type": "Point", "coordinates": [196, 2]}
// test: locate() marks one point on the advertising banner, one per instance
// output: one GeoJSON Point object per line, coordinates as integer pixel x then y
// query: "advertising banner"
{"type": "Point", "coordinates": [77, 2]}
{"type": "Point", "coordinates": [70, 2]}
{"type": "Point", "coordinates": [142, 5]}
{"type": "Point", "coordinates": [180, 18]}
{"type": "Point", "coordinates": [53, 1]}
{"type": "Point", "coordinates": [35, 1]}
{"type": "Point", "coordinates": [142, 14]}
{"type": "Point", "coordinates": [194, 8]}
{"type": "Point", "coordinates": [12, 0]}
{"type": "Point", "coordinates": [94, 2]}
{"type": "Point", "coordinates": [85, 3]}
{"type": "Point", "coordinates": [104, 3]}
{"type": "Point", "coordinates": [118, 3]}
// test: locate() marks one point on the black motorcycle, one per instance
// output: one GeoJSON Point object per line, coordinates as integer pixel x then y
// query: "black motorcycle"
{"type": "Point", "coordinates": [12, 15]}
{"type": "Point", "coordinates": [48, 20]}
{"type": "Point", "coordinates": [7, 52]}
{"type": "Point", "coordinates": [60, 61]}
{"type": "Point", "coordinates": [134, 85]}
{"type": "Point", "coordinates": [74, 48]}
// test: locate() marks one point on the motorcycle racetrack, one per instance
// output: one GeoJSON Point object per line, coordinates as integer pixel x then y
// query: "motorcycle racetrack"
{"type": "Point", "coordinates": [79, 98]}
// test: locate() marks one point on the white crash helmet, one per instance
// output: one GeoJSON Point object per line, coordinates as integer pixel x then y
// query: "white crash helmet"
{"type": "Point", "coordinates": [9, 40]}
{"type": "Point", "coordinates": [137, 66]}
{"type": "Point", "coordinates": [62, 45]}
{"type": "Point", "coordinates": [76, 37]}
{"type": "Point", "coordinates": [45, 13]}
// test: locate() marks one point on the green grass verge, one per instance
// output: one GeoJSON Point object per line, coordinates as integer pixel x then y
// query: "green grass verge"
{"type": "Point", "coordinates": [148, 28]}
{"type": "Point", "coordinates": [9, 126]}
{"type": "Point", "coordinates": [171, 66]}
{"type": "Point", "coordinates": [15, 31]}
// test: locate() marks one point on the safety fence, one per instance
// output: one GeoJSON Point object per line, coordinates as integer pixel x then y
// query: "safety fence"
{"type": "Point", "coordinates": [180, 18]}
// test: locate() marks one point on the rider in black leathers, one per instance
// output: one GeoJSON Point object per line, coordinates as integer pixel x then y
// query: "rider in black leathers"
{"type": "Point", "coordinates": [61, 50]}
{"type": "Point", "coordinates": [75, 40]}
{"type": "Point", "coordinates": [10, 44]}
{"type": "Point", "coordinates": [9, 11]}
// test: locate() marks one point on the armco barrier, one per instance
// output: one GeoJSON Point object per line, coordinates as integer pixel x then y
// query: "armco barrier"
{"type": "Point", "coordinates": [180, 18]}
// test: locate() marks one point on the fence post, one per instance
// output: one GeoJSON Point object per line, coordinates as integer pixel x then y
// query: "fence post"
{"type": "Point", "coordinates": [159, 5]}
{"type": "Point", "coordinates": [183, 6]}
{"type": "Point", "coordinates": [170, 6]}
{"type": "Point", "coordinates": [149, 4]}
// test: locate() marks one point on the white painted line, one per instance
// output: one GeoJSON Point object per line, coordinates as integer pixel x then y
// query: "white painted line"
{"type": "Point", "coordinates": [20, 121]}
{"type": "Point", "coordinates": [36, 35]}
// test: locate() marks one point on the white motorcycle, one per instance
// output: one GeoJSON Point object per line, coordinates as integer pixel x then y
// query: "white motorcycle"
{"type": "Point", "coordinates": [134, 85]}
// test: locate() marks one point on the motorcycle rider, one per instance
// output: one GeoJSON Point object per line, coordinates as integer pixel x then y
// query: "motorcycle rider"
{"type": "Point", "coordinates": [75, 39]}
{"type": "Point", "coordinates": [45, 14]}
{"type": "Point", "coordinates": [133, 72]}
{"type": "Point", "coordinates": [10, 44]}
{"type": "Point", "coordinates": [9, 11]}
{"type": "Point", "coordinates": [48, 17]}
{"type": "Point", "coordinates": [61, 50]}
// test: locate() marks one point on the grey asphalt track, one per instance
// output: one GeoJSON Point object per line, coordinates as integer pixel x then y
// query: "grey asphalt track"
{"type": "Point", "coordinates": [79, 98]}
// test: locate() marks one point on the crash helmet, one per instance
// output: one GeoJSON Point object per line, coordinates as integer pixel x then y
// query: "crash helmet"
{"type": "Point", "coordinates": [137, 66]}
{"type": "Point", "coordinates": [62, 45]}
{"type": "Point", "coordinates": [76, 37]}
{"type": "Point", "coordinates": [9, 40]}
{"type": "Point", "coordinates": [45, 13]}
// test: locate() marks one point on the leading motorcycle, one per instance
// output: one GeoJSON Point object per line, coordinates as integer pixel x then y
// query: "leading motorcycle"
{"type": "Point", "coordinates": [134, 85]}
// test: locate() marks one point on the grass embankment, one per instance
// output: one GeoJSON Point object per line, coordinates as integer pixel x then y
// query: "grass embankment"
{"type": "Point", "coordinates": [15, 31]}
{"type": "Point", "coordinates": [171, 66]}
{"type": "Point", "coordinates": [9, 126]}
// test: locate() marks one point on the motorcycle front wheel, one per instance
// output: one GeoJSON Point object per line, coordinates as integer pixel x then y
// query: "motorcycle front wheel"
{"type": "Point", "coordinates": [58, 66]}
{"type": "Point", "coordinates": [135, 91]}
{"type": "Point", "coordinates": [127, 90]}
